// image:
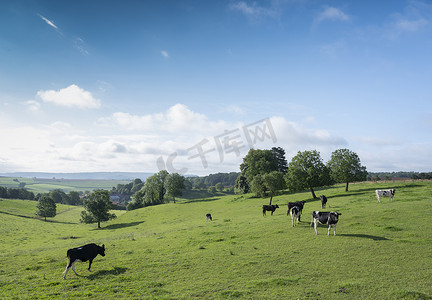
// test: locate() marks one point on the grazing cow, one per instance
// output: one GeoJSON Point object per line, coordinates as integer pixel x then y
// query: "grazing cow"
{"type": "Point", "coordinates": [323, 201]}
{"type": "Point", "coordinates": [209, 217]}
{"type": "Point", "coordinates": [299, 204]}
{"type": "Point", "coordinates": [295, 214]}
{"type": "Point", "coordinates": [385, 193]}
{"type": "Point", "coordinates": [84, 253]}
{"type": "Point", "coordinates": [271, 208]}
{"type": "Point", "coordinates": [325, 218]}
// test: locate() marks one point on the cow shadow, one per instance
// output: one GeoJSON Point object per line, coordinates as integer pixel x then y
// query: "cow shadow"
{"type": "Point", "coordinates": [198, 200]}
{"type": "Point", "coordinates": [102, 273]}
{"type": "Point", "coordinates": [366, 236]}
{"type": "Point", "coordinates": [120, 225]}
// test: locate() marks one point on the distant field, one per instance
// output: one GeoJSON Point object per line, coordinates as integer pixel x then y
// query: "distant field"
{"type": "Point", "coordinates": [39, 185]}
{"type": "Point", "coordinates": [381, 251]}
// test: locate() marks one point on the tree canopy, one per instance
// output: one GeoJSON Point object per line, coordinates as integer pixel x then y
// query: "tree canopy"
{"type": "Point", "coordinates": [174, 184]}
{"type": "Point", "coordinates": [97, 208]}
{"type": "Point", "coordinates": [46, 207]}
{"type": "Point", "coordinates": [307, 170]}
{"type": "Point", "coordinates": [256, 162]}
{"type": "Point", "coordinates": [345, 167]}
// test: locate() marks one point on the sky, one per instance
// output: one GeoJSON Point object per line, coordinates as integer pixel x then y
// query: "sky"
{"type": "Point", "coordinates": [191, 86]}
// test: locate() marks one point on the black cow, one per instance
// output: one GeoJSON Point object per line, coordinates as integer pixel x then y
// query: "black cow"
{"type": "Point", "coordinates": [323, 201]}
{"type": "Point", "coordinates": [326, 218]}
{"type": "Point", "coordinates": [84, 253]}
{"type": "Point", "coordinates": [295, 214]}
{"type": "Point", "coordinates": [299, 204]}
{"type": "Point", "coordinates": [271, 208]}
{"type": "Point", "coordinates": [209, 217]}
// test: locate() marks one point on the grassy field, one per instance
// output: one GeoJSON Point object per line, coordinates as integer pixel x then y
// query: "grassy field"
{"type": "Point", "coordinates": [40, 185]}
{"type": "Point", "coordinates": [382, 250]}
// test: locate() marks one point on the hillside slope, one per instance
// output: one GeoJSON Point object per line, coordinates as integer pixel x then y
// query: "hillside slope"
{"type": "Point", "coordinates": [170, 251]}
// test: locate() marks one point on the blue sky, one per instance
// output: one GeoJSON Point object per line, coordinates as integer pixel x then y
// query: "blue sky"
{"type": "Point", "coordinates": [143, 85]}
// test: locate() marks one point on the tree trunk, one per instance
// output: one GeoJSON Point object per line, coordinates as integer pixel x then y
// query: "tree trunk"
{"type": "Point", "coordinates": [271, 198]}
{"type": "Point", "coordinates": [98, 224]}
{"type": "Point", "coordinates": [313, 193]}
{"type": "Point", "coordinates": [346, 187]}
{"type": "Point", "coordinates": [45, 219]}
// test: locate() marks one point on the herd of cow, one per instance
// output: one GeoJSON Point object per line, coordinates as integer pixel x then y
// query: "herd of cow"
{"type": "Point", "coordinates": [90, 251]}
{"type": "Point", "coordinates": [295, 210]}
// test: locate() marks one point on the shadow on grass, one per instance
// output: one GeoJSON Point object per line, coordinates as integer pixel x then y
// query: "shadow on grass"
{"type": "Point", "coordinates": [120, 225]}
{"type": "Point", "coordinates": [102, 273]}
{"type": "Point", "coordinates": [366, 236]}
{"type": "Point", "coordinates": [198, 200]}
{"type": "Point", "coordinates": [35, 218]}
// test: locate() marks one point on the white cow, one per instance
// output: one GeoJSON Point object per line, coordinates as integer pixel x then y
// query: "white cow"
{"type": "Point", "coordinates": [385, 193]}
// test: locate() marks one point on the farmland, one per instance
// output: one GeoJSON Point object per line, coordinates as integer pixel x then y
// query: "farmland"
{"type": "Point", "coordinates": [44, 185]}
{"type": "Point", "coordinates": [382, 250]}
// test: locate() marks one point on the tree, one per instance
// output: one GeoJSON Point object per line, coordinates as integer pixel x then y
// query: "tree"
{"type": "Point", "coordinates": [257, 186]}
{"type": "Point", "coordinates": [274, 182]}
{"type": "Point", "coordinates": [59, 196]}
{"type": "Point", "coordinates": [137, 200]}
{"type": "Point", "coordinates": [46, 207]}
{"type": "Point", "coordinates": [153, 191]}
{"type": "Point", "coordinates": [345, 167]}
{"type": "Point", "coordinates": [307, 170]}
{"type": "Point", "coordinates": [174, 184]}
{"type": "Point", "coordinates": [74, 198]}
{"type": "Point", "coordinates": [97, 208]}
{"type": "Point", "coordinates": [258, 162]}
{"type": "Point", "coordinates": [219, 186]}
{"type": "Point", "coordinates": [212, 190]}
{"type": "Point", "coordinates": [242, 185]}
{"type": "Point", "coordinates": [282, 164]}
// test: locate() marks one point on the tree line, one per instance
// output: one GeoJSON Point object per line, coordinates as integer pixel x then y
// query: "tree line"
{"type": "Point", "coordinates": [265, 172]}
{"type": "Point", "coordinates": [16, 193]}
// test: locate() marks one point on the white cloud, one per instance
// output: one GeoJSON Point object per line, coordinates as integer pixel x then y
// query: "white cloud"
{"type": "Point", "coordinates": [178, 118]}
{"type": "Point", "coordinates": [415, 17]}
{"type": "Point", "coordinates": [293, 135]}
{"type": "Point", "coordinates": [165, 54]}
{"type": "Point", "coordinates": [81, 46]}
{"type": "Point", "coordinates": [253, 10]}
{"type": "Point", "coordinates": [72, 96]}
{"type": "Point", "coordinates": [138, 142]}
{"type": "Point", "coordinates": [33, 105]}
{"type": "Point", "coordinates": [50, 23]}
{"type": "Point", "coordinates": [331, 14]}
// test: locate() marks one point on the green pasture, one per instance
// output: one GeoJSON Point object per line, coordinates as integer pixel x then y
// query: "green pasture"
{"type": "Point", "coordinates": [381, 251]}
{"type": "Point", "coordinates": [40, 185]}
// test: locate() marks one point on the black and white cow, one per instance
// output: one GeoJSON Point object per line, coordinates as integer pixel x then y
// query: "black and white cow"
{"type": "Point", "coordinates": [323, 201]}
{"type": "Point", "coordinates": [299, 204]}
{"type": "Point", "coordinates": [84, 253]}
{"type": "Point", "coordinates": [271, 208]}
{"type": "Point", "coordinates": [295, 214]}
{"type": "Point", "coordinates": [209, 217]}
{"type": "Point", "coordinates": [326, 218]}
{"type": "Point", "coordinates": [385, 193]}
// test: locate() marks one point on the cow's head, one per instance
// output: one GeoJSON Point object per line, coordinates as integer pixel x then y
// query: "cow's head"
{"type": "Point", "coordinates": [102, 250]}
{"type": "Point", "coordinates": [334, 216]}
{"type": "Point", "coordinates": [277, 206]}
{"type": "Point", "coordinates": [392, 192]}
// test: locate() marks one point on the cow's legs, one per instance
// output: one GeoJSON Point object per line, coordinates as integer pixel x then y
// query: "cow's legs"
{"type": "Point", "coordinates": [315, 226]}
{"type": "Point", "coordinates": [90, 263]}
{"type": "Point", "coordinates": [73, 268]}
{"type": "Point", "coordinates": [67, 269]}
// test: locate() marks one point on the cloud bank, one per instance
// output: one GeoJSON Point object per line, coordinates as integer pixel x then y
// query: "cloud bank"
{"type": "Point", "coordinates": [71, 96]}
